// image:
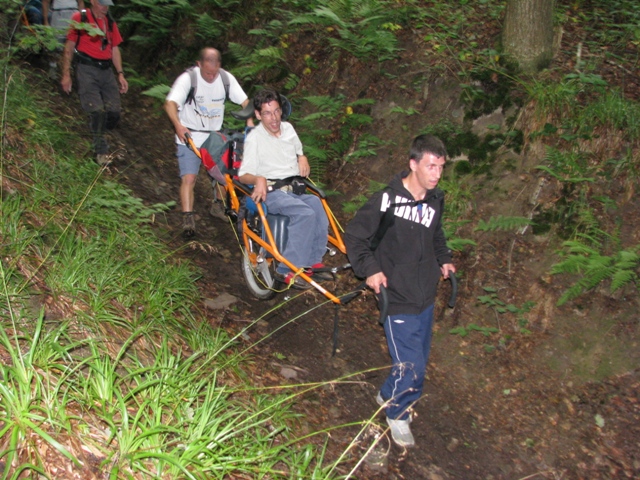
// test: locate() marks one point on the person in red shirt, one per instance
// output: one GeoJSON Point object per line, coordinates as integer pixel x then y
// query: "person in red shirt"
{"type": "Point", "coordinates": [96, 55]}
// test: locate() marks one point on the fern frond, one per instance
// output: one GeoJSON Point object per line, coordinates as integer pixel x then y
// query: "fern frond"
{"type": "Point", "coordinates": [458, 244]}
{"type": "Point", "coordinates": [502, 223]}
{"type": "Point", "coordinates": [158, 91]}
{"type": "Point", "coordinates": [579, 248]}
{"type": "Point", "coordinates": [621, 278]}
{"type": "Point", "coordinates": [621, 268]}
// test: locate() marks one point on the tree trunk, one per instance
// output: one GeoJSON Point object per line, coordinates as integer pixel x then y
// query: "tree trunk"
{"type": "Point", "coordinates": [527, 33]}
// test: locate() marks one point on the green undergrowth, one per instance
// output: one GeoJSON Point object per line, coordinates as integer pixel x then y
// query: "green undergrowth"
{"type": "Point", "coordinates": [105, 358]}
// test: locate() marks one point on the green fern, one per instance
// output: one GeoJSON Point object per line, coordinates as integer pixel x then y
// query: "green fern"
{"type": "Point", "coordinates": [360, 27]}
{"type": "Point", "coordinates": [458, 244]}
{"type": "Point", "coordinates": [502, 223]}
{"type": "Point", "coordinates": [567, 166]}
{"type": "Point", "coordinates": [259, 63]}
{"type": "Point", "coordinates": [595, 268]}
{"type": "Point", "coordinates": [354, 205]}
{"type": "Point", "coordinates": [158, 91]}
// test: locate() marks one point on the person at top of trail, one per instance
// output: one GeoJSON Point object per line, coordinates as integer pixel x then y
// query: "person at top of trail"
{"type": "Point", "coordinates": [408, 261]}
{"type": "Point", "coordinates": [195, 106]}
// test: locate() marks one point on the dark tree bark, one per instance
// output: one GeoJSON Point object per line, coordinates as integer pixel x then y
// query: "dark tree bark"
{"type": "Point", "coordinates": [527, 33]}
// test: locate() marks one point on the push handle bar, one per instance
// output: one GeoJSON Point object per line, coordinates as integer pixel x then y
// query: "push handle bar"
{"type": "Point", "coordinates": [383, 297]}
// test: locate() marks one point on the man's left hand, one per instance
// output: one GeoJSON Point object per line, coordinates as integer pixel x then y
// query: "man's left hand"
{"type": "Point", "coordinates": [303, 165]}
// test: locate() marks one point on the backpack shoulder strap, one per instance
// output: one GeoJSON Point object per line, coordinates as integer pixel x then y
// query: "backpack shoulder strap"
{"type": "Point", "coordinates": [226, 82]}
{"type": "Point", "coordinates": [385, 223]}
{"type": "Point", "coordinates": [191, 96]}
{"type": "Point", "coordinates": [110, 21]}
{"type": "Point", "coordinates": [83, 19]}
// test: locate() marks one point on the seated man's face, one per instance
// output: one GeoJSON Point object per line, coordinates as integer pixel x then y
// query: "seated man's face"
{"type": "Point", "coordinates": [271, 116]}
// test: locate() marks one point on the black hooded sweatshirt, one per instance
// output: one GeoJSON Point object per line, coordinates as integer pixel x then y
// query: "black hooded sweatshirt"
{"type": "Point", "coordinates": [410, 253]}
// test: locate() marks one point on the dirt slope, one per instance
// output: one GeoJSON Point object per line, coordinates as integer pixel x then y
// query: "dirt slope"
{"type": "Point", "coordinates": [503, 414]}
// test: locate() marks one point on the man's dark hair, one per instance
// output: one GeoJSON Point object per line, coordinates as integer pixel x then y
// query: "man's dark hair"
{"type": "Point", "coordinates": [427, 144]}
{"type": "Point", "coordinates": [265, 96]}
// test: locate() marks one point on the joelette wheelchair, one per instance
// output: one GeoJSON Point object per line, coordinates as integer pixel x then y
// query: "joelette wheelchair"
{"type": "Point", "coordinates": [262, 235]}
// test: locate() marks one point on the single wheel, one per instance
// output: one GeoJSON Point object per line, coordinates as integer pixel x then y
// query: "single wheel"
{"type": "Point", "coordinates": [259, 275]}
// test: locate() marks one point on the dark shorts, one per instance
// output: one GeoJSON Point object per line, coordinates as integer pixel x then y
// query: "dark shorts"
{"type": "Point", "coordinates": [98, 89]}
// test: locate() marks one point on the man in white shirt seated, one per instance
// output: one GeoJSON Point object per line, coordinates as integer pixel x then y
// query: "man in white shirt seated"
{"type": "Point", "coordinates": [273, 156]}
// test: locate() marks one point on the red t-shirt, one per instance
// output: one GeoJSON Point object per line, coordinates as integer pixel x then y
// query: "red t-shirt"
{"type": "Point", "coordinates": [94, 46]}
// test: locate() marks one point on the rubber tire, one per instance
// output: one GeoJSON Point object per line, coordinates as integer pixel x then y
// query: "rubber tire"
{"type": "Point", "coordinates": [260, 279]}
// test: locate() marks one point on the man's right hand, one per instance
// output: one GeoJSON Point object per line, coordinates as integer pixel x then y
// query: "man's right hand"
{"type": "Point", "coordinates": [182, 132]}
{"type": "Point", "coordinates": [375, 280]}
{"type": "Point", "coordinates": [259, 193]}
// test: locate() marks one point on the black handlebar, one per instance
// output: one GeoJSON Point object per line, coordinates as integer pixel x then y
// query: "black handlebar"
{"type": "Point", "coordinates": [383, 302]}
{"type": "Point", "coordinates": [383, 298]}
{"type": "Point", "coordinates": [454, 289]}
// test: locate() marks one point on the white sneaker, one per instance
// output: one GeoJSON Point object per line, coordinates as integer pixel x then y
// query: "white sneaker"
{"type": "Point", "coordinates": [401, 432]}
{"type": "Point", "coordinates": [103, 159]}
{"type": "Point", "coordinates": [380, 400]}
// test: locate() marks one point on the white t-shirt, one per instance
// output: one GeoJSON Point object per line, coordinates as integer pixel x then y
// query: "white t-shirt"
{"type": "Point", "coordinates": [272, 157]}
{"type": "Point", "coordinates": [207, 113]}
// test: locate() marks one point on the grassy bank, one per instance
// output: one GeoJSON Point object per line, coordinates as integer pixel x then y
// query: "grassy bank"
{"type": "Point", "coordinates": [105, 367]}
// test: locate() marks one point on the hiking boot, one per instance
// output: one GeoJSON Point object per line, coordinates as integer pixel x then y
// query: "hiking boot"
{"type": "Point", "coordinates": [292, 280]}
{"type": "Point", "coordinates": [188, 225]}
{"type": "Point", "coordinates": [217, 210]}
{"type": "Point", "coordinates": [401, 432]}
{"type": "Point", "coordinates": [103, 159]}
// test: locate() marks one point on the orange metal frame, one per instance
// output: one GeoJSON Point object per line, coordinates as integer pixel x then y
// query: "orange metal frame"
{"type": "Point", "coordinates": [334, 237]}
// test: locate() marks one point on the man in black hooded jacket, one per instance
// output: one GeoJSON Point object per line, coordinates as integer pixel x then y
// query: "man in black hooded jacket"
{"type": "Point", "coordinates": [408, 261]}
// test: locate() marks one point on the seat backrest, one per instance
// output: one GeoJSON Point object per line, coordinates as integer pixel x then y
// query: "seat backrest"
{"type": "Point", "coordinates": [279, 224]}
